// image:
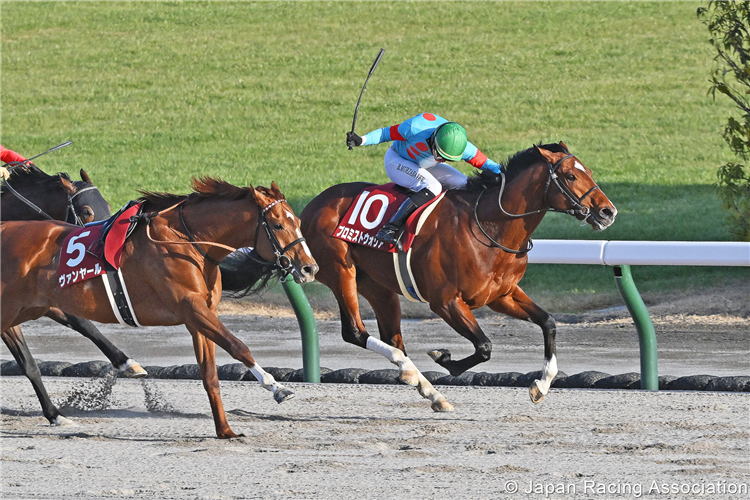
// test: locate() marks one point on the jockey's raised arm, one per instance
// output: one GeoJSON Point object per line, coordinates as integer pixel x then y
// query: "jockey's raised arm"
{"type": "Point", "coordinates": [417, 161]}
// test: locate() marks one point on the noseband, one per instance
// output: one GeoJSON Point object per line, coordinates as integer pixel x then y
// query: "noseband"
{"type": "Point", "coordinates": [71, 216]}
{"type": "Point", "coordinates": [578, 208]}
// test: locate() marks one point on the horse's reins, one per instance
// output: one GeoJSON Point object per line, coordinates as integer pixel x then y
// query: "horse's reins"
{"type": "Point", "coordinates": [70, 209]}
{"type": "Point", "coordinates": [282, 261]}
{"type": "Point", "coordinates": [569, 195]}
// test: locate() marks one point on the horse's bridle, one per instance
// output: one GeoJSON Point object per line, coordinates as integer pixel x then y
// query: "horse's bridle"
{"type": "Point", "coordinates": [71, 216]}
{"type": "Point", "coordinates": [578, 208]}
{"type": "Point", "coordinates": [283, 262]}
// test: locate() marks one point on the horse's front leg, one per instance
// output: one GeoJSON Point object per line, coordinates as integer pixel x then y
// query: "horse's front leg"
{"type": "Point", "coordinates": [119, 359]}
{"type": "Point", "coordinates": [457, 314]}
{"type": "Point", "coordinates": [199, 318]}
{"type": "Point", "coordinates": [518, 305]}
{"type": "Point", "coordinates": [205, 354]}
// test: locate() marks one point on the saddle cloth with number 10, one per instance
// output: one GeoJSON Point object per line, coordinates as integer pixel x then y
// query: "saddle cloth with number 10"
{"type": "Point", "coordinates": [370, 211]}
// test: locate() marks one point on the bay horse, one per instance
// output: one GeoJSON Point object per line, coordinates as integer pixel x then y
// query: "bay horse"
{"type": "Point", "coordinates": [170, 268]}
{"type": "Point", "coordinates": [31, 194]}
{"type": "Point", "coordinates": [471, 252]}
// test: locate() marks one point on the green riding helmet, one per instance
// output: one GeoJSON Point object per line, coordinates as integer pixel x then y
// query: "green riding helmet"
{"type": "Point", "coordinates": [450, 140]}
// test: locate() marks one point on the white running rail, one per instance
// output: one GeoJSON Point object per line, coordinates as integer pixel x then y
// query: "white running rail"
{"type": "Point", "coordinates": [641, 253]}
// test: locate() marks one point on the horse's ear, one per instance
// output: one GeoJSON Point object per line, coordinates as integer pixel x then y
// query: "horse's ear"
{"type": "Point", "coordinates": [564, 146]}
{"type": "Point", "coordinates": [85, 177]}
{"type": "Point", "coordinates": [276, 191]}
{"type": "Point", "coordinates": [256, 195]}
{"type": "Point", "coordinates": [549, 155]}
{"type": "Point", "coordinates": [68, 186]}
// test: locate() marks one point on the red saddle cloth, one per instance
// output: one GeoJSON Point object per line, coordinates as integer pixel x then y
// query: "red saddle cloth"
{"type": "Point", "coordinates": [371, 210]}
{"type": "Point", "coordinates": [81, 256]}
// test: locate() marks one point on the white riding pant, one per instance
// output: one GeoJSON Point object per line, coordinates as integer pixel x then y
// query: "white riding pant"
{"type": "Point", "coordinates": [410, 175]}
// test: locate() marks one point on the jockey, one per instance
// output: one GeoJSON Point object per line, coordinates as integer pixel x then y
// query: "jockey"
{"type": "Point", "coordinates": [416, 160]}
{"type": "Point", "coordinates": [8, 156]}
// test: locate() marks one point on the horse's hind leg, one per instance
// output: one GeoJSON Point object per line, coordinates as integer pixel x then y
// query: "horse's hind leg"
{"type": "Point", "coordinates": [519, 305]}
{"type": "Point", "coordinates": [457, 314]}
{"type": "Point", "coordinates": [14, 339]}
{"type": "Point", "coordinates": [343, 283]}
{"type": "Point", "coordinates": [387, 310]}
{"type": "Point", "coordinates": [119, 359]}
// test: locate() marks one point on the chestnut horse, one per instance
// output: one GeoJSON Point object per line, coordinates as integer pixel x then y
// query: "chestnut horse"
{"type": "Point", "coordinates": [31, 194]}
{"type": "Point", "coordinates": [170, 268]}
{"type": "Point", "coordinates": [471, 252]}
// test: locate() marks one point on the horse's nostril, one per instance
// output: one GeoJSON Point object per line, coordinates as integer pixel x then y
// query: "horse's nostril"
{"type": "Point", "coordinates": [607, 213]}
{"type": "Point", "coordinates": [309, 270]}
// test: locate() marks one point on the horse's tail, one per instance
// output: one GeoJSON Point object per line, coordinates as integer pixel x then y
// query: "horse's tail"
{"type": "Point", "coordinates": [245, 273]}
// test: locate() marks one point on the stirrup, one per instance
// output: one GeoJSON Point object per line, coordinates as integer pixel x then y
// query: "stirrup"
{"type": "Point", "coordinates": [388, 234]}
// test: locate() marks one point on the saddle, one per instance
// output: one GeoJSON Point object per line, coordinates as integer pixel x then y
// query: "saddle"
{"type": "Point", "coordinates": [115, 231]}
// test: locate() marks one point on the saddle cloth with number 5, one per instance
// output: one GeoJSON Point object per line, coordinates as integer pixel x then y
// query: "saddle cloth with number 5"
{"type": "Point", "coordinates": [82, 256]}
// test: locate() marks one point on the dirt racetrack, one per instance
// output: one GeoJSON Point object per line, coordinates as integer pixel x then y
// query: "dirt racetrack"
{"type": "Point", "coordinates": [155, 438]}
{"type": "Point", "coordinates": [359, 441]}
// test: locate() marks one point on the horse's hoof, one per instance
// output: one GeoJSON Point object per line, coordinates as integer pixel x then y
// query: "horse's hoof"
{"type": "Point", "coordinates": [409, 377]}
{"type": "Point", "coordinates": [133, 369]}
{"type": "Point", "coordinates": [535, 393]}
{"type": "Point", "coordinates": [442, 405]}
{"type": "Point", "coordinates": [60, 420]}
{"type": "Point", "coordinates": [282, 395]}
{"type": "Point", "coordinates": [439, 355]}
{"type": "Point", "coordinates": [228, 435]}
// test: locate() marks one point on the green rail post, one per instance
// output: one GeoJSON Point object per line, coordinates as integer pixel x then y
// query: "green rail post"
{"type": "Point", "coordinates": [308, 328]}
{"type": "Point", "coordinates": [646, 333]}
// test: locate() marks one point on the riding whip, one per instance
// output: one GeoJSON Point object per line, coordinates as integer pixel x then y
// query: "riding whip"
{"type": "Point", "coordinates": [59, 146]}
{"type": "Point", "coordinates": [372, 70]}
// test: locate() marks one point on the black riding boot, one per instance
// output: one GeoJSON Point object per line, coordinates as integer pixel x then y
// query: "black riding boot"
{"type": "Point", "coordinates": [390, 232]}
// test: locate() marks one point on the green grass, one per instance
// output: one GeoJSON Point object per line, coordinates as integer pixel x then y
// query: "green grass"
{"type": "Point", "coordinates": [154, 93]}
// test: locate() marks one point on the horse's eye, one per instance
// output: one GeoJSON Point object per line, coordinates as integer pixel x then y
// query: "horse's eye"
{"type": "Point", "coordinates": [570, 177]}
{"type": "Point", "coordinates": [278, 227]}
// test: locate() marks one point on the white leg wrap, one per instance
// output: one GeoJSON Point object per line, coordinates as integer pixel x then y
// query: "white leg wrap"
{"type": "Point", "coordinates": [60, 420]}
{"type": "Point", "coordinates": [548, 373]}
{"type": "Point", "coordinates": [395, 356]}
{"type": "Point", "coordinates": [266, 379]}
{"type": "Point", "coordinates": [427, 390]}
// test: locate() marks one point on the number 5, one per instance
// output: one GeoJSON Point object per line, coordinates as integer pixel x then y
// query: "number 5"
{"type": "Point", "coordinates": [74, 246]}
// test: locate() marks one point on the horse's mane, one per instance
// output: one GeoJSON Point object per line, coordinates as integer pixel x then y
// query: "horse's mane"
{"type": "Point", "coordinates": [203, 188]}
{"type": "Point", "coordinates": [247, 276]}
{"type": "Point", "coordinates": [513, 166]}
{"type": "Point", "coordinates": [29, 175]}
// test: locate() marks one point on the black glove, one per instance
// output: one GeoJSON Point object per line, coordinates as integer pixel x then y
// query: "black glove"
{"type": "Point", "coordinates": [353, 140]}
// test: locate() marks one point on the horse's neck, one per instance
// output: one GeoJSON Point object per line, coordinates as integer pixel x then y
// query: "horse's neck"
{"type": "Point", "coordinates": [226, 222]}
{"type": "Point", "coordinates": [523, 194]}
{"type": "Point", "coordinates": [53, 202]}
